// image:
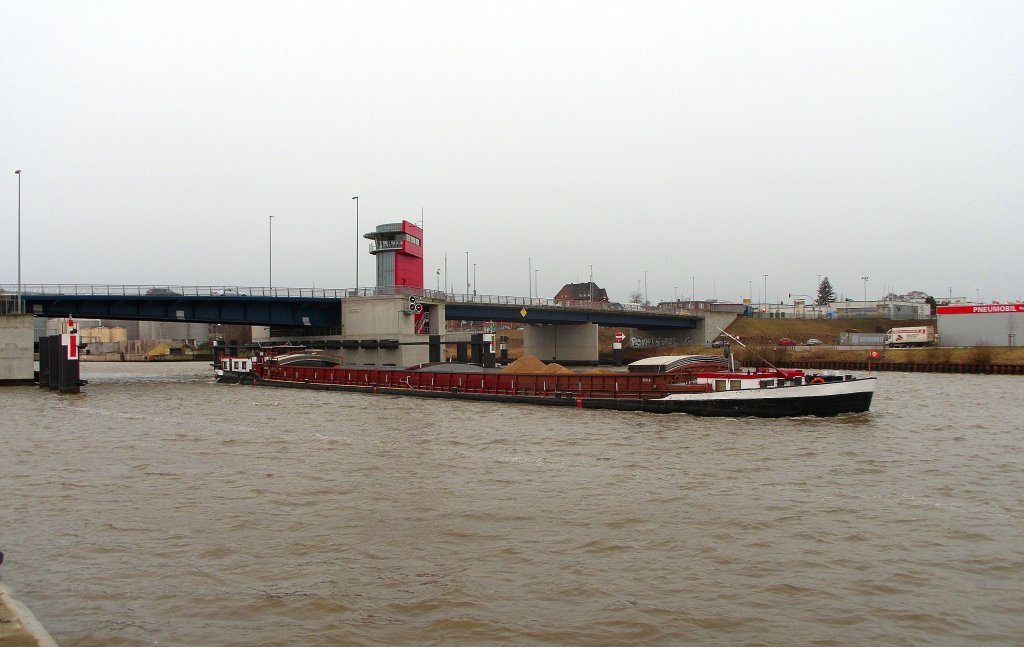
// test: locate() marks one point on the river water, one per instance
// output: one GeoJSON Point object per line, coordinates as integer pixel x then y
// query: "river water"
{"type": "Point", "coordinates": [159, 508]}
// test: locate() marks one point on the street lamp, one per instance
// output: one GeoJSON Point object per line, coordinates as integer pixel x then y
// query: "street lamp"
{"type": "Point", "coordinates": [536, 283]}
{"type": "Point", "coordinates": [474, 279]}
{"type": "Point", "coordinates": [439, 279]}
{"type": "Point", "coordinates": [693, 289]}
{"type": "Point", "coordinates": [356, 198]}
{"type": "Point", "coordinates": [18, 300]}
{"type": "Point", "coordinates": [467, 273]}
{"type": "Point", "coordinates": [764, 297]}
{"type": "Point", "coordinates": [270, 271]}
{"type": "Point", "coordinates": [529, 277]}
{"type": "Point", "coordinates": [865, 279]}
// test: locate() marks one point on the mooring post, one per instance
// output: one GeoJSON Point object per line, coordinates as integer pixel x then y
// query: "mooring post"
{"type": "Point", "coordinates": [69, 369]}
{"type": "Point", "coordinates": [53, 378]}
{"type": "Point", "coordinates": [487, 350]}
{"type": "Point", "coordinates": [43, 380]}
{"type": "Point", "coordinates": [476, 341]}
{"type": "Point", "coordinates": [434, 348]}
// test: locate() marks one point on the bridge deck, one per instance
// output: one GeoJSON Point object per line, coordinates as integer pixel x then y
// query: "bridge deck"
{"type": "Point", "coordinates": [311, 307]}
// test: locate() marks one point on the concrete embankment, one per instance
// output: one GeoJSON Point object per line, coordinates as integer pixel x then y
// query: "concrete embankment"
{"type": "Point", "coordinates": [18, 627]}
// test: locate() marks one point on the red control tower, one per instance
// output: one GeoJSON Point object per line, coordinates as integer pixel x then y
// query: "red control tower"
{"type": "Point", "coordinates": [398, 247]}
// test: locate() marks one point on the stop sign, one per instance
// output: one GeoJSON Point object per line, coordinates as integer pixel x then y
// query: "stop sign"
{"type": "Point", "coordinates": [620, 336]}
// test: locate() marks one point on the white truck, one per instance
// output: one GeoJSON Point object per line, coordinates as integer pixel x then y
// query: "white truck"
{"type": "Point", "coordinates": [910, 337]}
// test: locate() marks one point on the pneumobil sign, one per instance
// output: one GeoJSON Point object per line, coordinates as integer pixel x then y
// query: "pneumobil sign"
{"type": "Point", "coordinates": [994, 308]}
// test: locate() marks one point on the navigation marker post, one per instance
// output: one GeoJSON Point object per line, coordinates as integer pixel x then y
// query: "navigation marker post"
{"type": "Point", "coordinates": [617, 347]}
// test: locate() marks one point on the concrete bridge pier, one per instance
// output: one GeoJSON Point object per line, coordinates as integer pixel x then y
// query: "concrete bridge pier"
{"type": "Point", "coordinates": [391, 331]}
{"type": "Point", "coordinates": [708, 326]}
{"type": "Point", "coordinates": [16, 353]}
{"type": "Point", "coordinates": [570, 342]}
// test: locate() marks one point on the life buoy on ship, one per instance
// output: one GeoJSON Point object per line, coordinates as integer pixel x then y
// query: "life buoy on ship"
{"type": "Point", "coordinates": [818, 380]}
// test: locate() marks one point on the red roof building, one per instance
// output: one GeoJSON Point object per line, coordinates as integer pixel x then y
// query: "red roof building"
{"type": "Point", "coordinates": [582, 292]}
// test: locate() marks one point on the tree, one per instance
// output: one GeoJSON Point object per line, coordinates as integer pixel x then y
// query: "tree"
{"type": "Point", "coordinates": [636, 297]}
{"type": "Point", "coordinates": [826, 294]}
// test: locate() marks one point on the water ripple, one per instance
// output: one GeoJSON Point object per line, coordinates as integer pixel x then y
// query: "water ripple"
{"type": "Point", "coordinates": [160, 508]}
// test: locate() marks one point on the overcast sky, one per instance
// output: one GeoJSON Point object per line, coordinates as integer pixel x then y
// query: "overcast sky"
{"type": "Point", "coordinates": [696, 144]}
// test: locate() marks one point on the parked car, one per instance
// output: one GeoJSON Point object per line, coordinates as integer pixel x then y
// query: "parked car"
{"type": "Point", "coordinates": [162, 292]}
{"type": "Point", "coordinates": [814, 342]}
{"type": "Point", "coordinates": [786, 341]}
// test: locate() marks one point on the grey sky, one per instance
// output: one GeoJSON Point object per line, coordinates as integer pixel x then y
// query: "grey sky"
{"type": "Point", "coordinates": [720, 141]}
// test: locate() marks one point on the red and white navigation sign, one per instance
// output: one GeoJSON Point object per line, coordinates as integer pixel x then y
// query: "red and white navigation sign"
{"type": "Point", "coordinates": [620, 337]}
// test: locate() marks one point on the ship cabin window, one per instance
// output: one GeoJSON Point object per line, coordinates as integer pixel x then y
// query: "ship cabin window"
{"type": "Point", "coordinates": [735, 385]}
{"type": "Point", "coordinates": [720, 385]}
{"type": "Point", "coordinates": [780, 382]}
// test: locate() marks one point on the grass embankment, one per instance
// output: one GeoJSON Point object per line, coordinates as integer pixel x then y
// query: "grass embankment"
{"type": "Point", "coordinates": [761, 336]}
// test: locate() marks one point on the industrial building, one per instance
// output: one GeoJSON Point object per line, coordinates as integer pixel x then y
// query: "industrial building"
{"type": "Point", "coordinates": [995, 324]}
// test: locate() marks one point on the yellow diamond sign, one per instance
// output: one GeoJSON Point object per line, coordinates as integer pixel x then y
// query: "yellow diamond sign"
{"type": "Point", "coordinates": [523, 312]}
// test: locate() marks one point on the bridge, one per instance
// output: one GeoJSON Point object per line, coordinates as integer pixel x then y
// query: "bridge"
{"type": "Point", "coordinates": [315, 307]}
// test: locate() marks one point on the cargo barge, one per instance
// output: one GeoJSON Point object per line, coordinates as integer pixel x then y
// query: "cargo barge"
{"type": "Point", "coordinates": [693, 384]}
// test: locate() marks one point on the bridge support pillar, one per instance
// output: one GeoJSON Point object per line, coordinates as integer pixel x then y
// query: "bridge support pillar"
{"type": "Point", "coordinates": [572, 343]}
{"type": "Point", "coordinates": [16, 356]}
{"type": "Point", "coordinates": [401, 334]}
{"type": "Point", "coordinates": [708, 326]}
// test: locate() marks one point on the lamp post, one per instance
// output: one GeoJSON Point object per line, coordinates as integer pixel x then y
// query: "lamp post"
{"type": "Point", "coordinates": [18, 299]}
{"type": "Point", "coordinates": [467, 273]}
{"type": "Point", "coordinates": [270, 270]}
{"type": "Point", "coordinates": [536, 283]}
{"type": "Point", "coordinates": [439, 279]}
{"type": "Point", "coordinates": [676, 291]}
{"type": "Point", "coordinates": [764, 297]}
{"type": "Point", "coordinates": [356, 198]}
{"type": "Point", "coordinates": [529, 278]}
{"type": "Point", "coordinates": [474, 279]}
{"type": "Point", "coordinates": [865, 279]}
{"type": "Point", "coordinates": [693, 289]}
